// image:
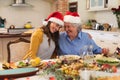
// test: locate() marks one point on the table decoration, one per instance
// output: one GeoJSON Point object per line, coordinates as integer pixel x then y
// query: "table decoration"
{"type": "Point", "coordinates": [54, 68]}
{"type": "Point", "coordinates": [66, 67]}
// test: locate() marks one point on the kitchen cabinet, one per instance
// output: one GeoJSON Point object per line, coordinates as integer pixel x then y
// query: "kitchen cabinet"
{"type": "Point", "coordinates": [105, 39]}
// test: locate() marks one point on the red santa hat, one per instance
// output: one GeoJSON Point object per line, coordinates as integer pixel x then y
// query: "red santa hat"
{"type": "Point", "coordinates": [72, 17]}
{"type": "Point", "coordinates": [56, 17]}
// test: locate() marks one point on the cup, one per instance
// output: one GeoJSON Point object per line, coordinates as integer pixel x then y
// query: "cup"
{"type": "Point", "coordinates": [90, 50]}
{"type": "Point", "coordinates": [83, 51]}
{"type": "Point", "coordinates": [85, 74]}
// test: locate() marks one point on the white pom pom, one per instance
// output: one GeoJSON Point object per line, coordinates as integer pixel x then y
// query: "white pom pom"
{"type": "Point", "coordinates": [45, 23]}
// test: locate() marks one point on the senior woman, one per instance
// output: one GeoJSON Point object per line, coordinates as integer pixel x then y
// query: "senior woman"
{"type": "Point", "coordinates": [73, 40]}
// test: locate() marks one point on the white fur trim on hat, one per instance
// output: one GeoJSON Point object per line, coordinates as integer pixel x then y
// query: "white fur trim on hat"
{"type": "Point", "coordinates": [45, 23]}
{"type": "Point", "coordinates": [72, 19]}
{"type": "Point", "coordinates": [58, 21]}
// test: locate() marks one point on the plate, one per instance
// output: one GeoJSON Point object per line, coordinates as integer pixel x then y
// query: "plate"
{"type": "Point", "coordinates": [18, 72]}
{"type": "Point", "coordinates": [70, 57]}
{"type": "Point", "coordinates": [107, 60]}
{"type": "Point", "coordinates": [111, 64]}
{"type": "Point", "coordinates": [49, 60]}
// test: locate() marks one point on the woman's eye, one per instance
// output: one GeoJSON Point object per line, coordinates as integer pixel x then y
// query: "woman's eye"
{"type": "Point", "coordinates": [66, 26]}
{"type": "Point", "coordinates": [57, 25]}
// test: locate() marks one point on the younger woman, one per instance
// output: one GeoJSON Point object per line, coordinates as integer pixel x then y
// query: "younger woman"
{"type": "Point", "coordinates": [45, 39]}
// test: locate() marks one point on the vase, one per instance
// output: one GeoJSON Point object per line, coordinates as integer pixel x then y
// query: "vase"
{"type": "Point", "coordinates": [118, 20]}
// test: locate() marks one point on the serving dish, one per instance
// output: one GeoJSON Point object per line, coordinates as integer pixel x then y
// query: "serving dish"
{"type": "Point", "coordinates": [107, 60]}
{"type": "Point", "coordinates": [69, 57]}
{"type": "Point", "coordinates": [49, 60]}
{"type": "Point", "coordinates": [18, 72]}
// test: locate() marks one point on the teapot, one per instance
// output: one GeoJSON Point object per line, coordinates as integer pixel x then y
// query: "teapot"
{"type": "Point", "coordinates": [28, 25]}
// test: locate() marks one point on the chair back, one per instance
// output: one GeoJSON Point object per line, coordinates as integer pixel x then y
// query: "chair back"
{"type": "Point", "coordinates": [17, 49]}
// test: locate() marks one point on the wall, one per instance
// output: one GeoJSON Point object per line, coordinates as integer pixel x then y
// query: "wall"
{"type": "Point", "coordinates": [84, 14]}
{"type": "Point", "coordinates": [105, 16]}
{"type": "Point", "coordinates": [20, 15]}
{"type": "Point", "coordinates": [62, 6]}
{"type": "Point", "coordinates": [73, 0]}
{"type": "Point", "coordinates": [41, 8]}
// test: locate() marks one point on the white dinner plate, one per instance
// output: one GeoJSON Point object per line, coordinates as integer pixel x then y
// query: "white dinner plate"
{"type": "Point", "coordinates": [70, 57]}
{"type": "Point", "coordinates": [47, 60]}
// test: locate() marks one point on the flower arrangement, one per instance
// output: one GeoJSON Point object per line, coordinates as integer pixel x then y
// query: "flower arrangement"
{"type": "Point", "coordinates": [116, 11]}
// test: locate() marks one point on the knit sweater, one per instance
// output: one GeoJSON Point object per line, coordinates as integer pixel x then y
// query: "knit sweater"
{"type": "Point", "coordinates": [39, 46]}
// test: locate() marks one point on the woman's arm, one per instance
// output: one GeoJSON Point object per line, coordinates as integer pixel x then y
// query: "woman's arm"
{"type": "Point", "coordinates": [36, 40]}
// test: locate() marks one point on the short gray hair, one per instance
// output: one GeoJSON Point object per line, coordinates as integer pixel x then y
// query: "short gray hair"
{"type": "Point", "coordinates": [78, 25]}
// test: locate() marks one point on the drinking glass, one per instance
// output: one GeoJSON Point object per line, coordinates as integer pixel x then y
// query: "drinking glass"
{"type": "Point", "coordinates": [83, 51]}
{"type": "Point", "coordinates": [90, 50]}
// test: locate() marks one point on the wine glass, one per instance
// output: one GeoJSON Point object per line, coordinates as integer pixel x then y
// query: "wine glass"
{"type": "Point", "coordinates": [89, 50]}
{"type": "Point", "coordinates": [90, 57]}
{"type": "Point", "coordinates": [83, 52]}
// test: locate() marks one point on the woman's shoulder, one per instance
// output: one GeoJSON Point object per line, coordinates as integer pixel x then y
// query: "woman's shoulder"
{"type": "Point", "coordinates": [38, 31]}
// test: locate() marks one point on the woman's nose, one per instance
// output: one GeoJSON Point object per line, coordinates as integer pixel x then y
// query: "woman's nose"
{"type": "Point", "coordinates": [57, 28]}
{"type": "Point", "coordinates": [66, 28]}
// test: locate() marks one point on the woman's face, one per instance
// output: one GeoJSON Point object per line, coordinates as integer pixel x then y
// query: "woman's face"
{"type": "Point", "coordinates": [70, 30]}
{"type": "Point", "coordinates": [54, 27]}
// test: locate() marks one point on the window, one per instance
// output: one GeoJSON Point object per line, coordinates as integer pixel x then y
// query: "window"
{"type": "Point", "coordinates": [97, 4]}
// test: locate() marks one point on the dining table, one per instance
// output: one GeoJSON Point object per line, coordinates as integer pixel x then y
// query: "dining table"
{"type": "Point", "coordinates": [84, 74]}
{"type": "Point", "coordinates": [37, 76]}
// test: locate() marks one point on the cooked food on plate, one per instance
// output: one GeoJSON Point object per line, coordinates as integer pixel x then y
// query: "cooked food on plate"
{"type": "Point", "coordinates": [107, 60]}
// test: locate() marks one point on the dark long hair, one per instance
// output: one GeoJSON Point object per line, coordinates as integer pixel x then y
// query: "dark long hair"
{"type": "Point", "coordinates": [51, 36]}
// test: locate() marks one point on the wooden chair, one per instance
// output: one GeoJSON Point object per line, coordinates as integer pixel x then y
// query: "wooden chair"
{"type": "Point", "coordinates": [17, 49]}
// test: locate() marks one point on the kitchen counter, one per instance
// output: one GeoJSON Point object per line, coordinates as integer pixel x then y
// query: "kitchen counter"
{"type": "Point", "coordinates": [7, 35]}
{"type": "Point", "coordinates": [102, 31]}
{"type": "Point", "coordinates": [105, 39]}
{"type": "Point", "coordinates": [112, 31]}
